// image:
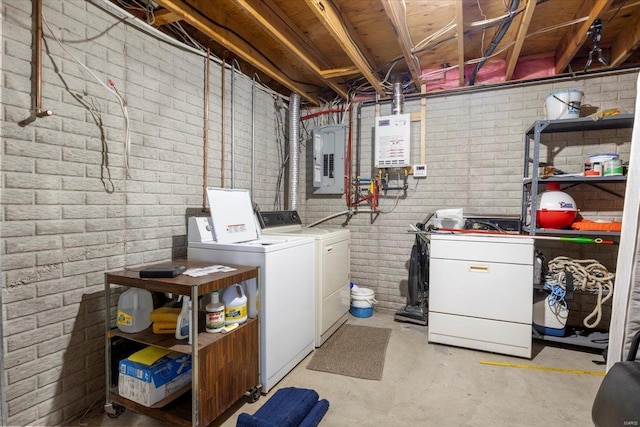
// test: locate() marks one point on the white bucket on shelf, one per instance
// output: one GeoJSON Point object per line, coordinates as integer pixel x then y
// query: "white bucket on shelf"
{"type": "Point", "coordinates": [563, 104]}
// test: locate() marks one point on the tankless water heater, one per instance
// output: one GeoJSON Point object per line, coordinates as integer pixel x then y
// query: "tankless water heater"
{"type": "Point", "coordinates": [393, 141]}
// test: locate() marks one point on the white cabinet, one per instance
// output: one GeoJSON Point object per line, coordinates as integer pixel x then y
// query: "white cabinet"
{"type": "Point", "coordinates": [480, 292]}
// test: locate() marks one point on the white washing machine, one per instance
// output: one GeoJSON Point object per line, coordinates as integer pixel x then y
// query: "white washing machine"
{"type": "Point", "coordinates": [287, 282]}
{"type": "Point", "coordinates": [332, 268]}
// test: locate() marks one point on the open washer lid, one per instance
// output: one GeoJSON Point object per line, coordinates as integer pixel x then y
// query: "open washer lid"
{"type": "Point", "coordinates": [231, 215]}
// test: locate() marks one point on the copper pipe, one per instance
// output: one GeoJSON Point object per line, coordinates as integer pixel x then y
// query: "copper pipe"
{"type": "Point", "coordinates": [38, 62]}
{"type": "Point", "coordinates": [206, 132]}
{"type": "Point", "coordinates": [36, 73]}
{"type": "Point", "coordinates": [38, 56]}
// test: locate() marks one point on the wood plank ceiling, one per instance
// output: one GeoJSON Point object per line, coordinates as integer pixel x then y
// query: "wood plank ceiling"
{"type": "Point", "coordinates": [323, 49]}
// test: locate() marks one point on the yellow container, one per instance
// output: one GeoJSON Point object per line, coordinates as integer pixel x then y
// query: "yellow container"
{"type": "Point", "coordinates": [235, 302]}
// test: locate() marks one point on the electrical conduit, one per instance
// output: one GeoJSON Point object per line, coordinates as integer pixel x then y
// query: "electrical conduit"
{"type": "Point", "coordinates": [205, 132]}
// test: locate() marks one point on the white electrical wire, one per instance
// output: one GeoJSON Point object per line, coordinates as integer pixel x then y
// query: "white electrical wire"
{"type": "Point", "coordinates": [490, 21]}
{"type": "Point", "coordinates": [176, 26]}
{"type": "Point", "coordinates": [112, 90]}
{"type": "Point", "coordinates": [424, 76]}
{"type": "Point", "coordinates": [111, 8]}
{"type": "Point", "coordinates": [425, 42]}
{"type": "Point", "coordinates": [483, 30]}
{"type": "Point", "coordinates": [404, 20]}
{"type": "Point", "coordinates": [508, 45]}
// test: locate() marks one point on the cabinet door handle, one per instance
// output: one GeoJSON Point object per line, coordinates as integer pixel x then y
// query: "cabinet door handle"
{"type": "Point", "coordinates": [479, 268]}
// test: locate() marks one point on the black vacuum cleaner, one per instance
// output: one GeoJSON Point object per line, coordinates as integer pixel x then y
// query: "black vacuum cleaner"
{"type": "Point", "coordinates": [418, 286]}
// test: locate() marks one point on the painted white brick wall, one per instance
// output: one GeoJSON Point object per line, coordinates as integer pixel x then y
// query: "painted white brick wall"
{"type": "Point", "coordinates": [474, 156]}
{"type": "Point", "coordinates": [66, 219]}
{"type": "Point", "coordinates": [61, 230]}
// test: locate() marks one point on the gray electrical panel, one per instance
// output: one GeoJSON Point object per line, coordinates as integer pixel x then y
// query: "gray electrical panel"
{"type": "Point", "coordinates": [329, 144]}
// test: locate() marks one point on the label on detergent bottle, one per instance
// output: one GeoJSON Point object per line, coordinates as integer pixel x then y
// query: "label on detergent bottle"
{"type": "Point", "coordinates": [215, 321]}
{"type": "Point", "coordinates": [235, 313]}
{"type": "Point", "coordinates": [124, 319]}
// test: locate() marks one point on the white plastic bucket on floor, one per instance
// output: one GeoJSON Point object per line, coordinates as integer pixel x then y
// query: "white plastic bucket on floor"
{"type": "Point", "coordinates": [563, 104]}
{"type": "Point", "coordinates": [362, 301]}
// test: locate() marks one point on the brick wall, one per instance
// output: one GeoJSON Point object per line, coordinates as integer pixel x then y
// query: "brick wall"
{"type": "Point", "coordinates": [67, 216]}
{"type": "Point", "coordinates": [474, 157]}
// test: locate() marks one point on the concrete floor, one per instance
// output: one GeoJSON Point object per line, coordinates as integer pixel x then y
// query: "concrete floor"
{"type": "Point", "coordinates": [431, 384]}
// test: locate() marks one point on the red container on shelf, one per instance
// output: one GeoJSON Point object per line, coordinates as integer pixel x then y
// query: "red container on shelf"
{"type": "Point", "coordinates": [557, 209]}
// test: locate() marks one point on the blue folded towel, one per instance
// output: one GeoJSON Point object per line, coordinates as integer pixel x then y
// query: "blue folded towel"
{"type": "Point", "coordinates": [288, 407]}
{"type": "Point", "coordinates": [315, 415]}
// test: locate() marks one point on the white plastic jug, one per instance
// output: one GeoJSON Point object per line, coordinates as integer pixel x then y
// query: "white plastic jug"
{"type": "Point", "coordinates": [134, 310]}
{"type": "Point", "coordinates": [235, 303]}
{"type": "Point", "coordinates": [253, 298]}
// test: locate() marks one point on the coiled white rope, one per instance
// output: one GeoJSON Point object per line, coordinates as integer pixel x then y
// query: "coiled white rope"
{"type": "Point", "coordinates": [589, 276]}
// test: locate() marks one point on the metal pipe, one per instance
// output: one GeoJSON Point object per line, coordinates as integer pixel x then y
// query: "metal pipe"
{"type": "Point", "coordinates": [347, 162]}
{"type": "Point", "coordinates": [38, 57]}
{"type": "Point", "coordinates": [358, 137]}
{"type": "Point", "coordinates": [36, 73]}
{"type": "Point", "coordinates": [294, 140]}
{"type": "Point", "coordinates": [253, 134]}
{"type": "Point", "coordinates": [224, 70]}
{"type": "Point", "coordinates": [205, 144]}
{"type": "Point", "coordinates": [233, 126]}
{"type": "Point", "coordinates": [398, 99]}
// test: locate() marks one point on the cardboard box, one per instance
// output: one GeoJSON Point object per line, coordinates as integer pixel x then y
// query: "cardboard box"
{"type": "Point", "coordinates": [149, 384]}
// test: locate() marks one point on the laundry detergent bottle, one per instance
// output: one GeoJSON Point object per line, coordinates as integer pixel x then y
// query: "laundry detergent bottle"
{"type": "Point", "coordinates": [215, 314]}
{"type": "Point", "coordinates": [235, 302]}
{"type": "Point", "coordinates": [183, 327]}
{"type": "Point", "coordinates": [134, 310]}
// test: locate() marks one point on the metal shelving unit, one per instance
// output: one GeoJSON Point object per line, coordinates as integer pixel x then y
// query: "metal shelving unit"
{"type": "Point", "coordinates": [531, 186]}
{"type": "Point", "coordinates": [531, 171]}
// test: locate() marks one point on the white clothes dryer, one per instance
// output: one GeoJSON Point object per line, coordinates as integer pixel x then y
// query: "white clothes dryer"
{"type": "Point", "coordinates": [332, 267]}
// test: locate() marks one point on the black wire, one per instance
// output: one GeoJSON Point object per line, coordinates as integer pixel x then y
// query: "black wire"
{"type": "Point", "coordinates": [497, 38]}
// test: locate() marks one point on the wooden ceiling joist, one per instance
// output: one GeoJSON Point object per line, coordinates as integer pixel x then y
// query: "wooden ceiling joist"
{"type": "Point", "coordinates": [164, 17]}
{"type": "Point", "coordinates": [236, 45]}
{"type": "Point", "coordinates": [268, 16]}
{"type": "Point", "coordinates": [577, 35]}
{"type": "Point", "coordinates": [396, 13]}
{"type": "Point", "coordinates": [626, 42]}
{"type": "Point", "coordinates": [331, 20]}
{"type": "Point", "coordinates": [514, 53]}
{"type": "Point", "coordinates": [339, 72]}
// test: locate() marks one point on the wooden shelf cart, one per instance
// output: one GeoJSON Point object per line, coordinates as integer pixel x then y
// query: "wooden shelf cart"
{"type": "Point", "coordinates": [225, 367]}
